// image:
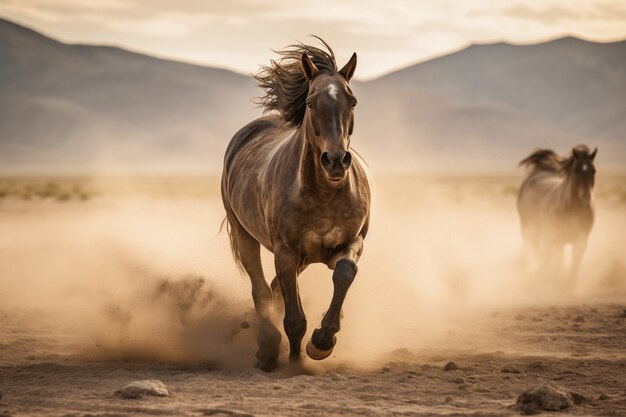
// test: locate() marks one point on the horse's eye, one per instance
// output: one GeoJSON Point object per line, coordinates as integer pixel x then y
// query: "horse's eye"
{"type": "Point", "coordinates": [354, 104]}
{"type": "Point", "coordinates": [309, 104]}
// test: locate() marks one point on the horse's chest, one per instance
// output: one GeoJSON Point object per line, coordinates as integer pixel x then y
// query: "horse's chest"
{"type": "Point", "coordinates": [574, 223]}
{"type": "Point", "coordinates": [317, 231]}
{"type": "Point", "coordinates": [565, 226]}
{"type": "Point", "coordinates": [314, 241]}
{"type": "Point", "coordinates": [318, 237]}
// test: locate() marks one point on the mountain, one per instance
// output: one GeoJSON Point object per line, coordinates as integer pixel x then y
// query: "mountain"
{"type": "Point", "coordinates": [76, 108]}
{"type": "Point", "coordinates": [490, 104]}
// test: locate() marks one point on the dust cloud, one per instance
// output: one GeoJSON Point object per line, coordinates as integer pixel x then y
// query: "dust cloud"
{"type": "Point", "coordinates": [146, 276]}
{"type": "Point", "coordinates": [127, 278]}
{"type": "Point", "coordinates": [443, 251]}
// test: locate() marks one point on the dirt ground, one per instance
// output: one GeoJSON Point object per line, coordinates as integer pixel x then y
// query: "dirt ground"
{"type": "Point", "coordinates": [579, 348]}
{"type": "Point", "coordinates": [104, 291]}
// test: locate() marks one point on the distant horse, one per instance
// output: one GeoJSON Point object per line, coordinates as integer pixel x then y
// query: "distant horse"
{"type": "Point", "coordinates": [291, 184]}
{"type": "Point", "coordinates": [555, 207]}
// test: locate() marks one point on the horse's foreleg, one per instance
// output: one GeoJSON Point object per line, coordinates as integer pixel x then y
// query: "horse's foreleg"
{"type": "Point", "coordinates": [556, 262]}
{"type": "Point", "coordinates": [268, 336]}
{"type": "Point", "coordinates": [287, 267]}
{"type": "Point", "coordinates": [277, 296]}
{"type": "Point", "coordinates": [344, 264]}
{"type": "Point", "coordinates": [546, 260]}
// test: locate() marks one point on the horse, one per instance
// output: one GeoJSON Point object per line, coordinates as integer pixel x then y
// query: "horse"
{"type": "Point", "coordinates": [292, 184]}
{"type": "Point", "coordinates": [555, 205]}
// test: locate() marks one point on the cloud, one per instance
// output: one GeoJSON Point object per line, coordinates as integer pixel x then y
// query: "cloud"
{"type": "Point", "coordinates": [611, 11]}
{"type": "Point", "coordinates": [567, 12]}
{"type": "Point", "coordinates": [239, 34]}
{"type": "Point", "coordinates": [548, 15]}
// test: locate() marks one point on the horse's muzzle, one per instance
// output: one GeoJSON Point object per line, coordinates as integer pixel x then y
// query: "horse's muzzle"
{"type": "Point", "coordinates": [336, 164]}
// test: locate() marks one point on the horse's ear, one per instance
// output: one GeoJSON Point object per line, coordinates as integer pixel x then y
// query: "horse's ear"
{"type": "Point", "coordinates": [593, 154]}
{"type": "Point", "coordinates": [348, 70]}
{"type": "Point", "coordinates": [308, 67]}
{"type": "Point", "coordinates": [575, 153]}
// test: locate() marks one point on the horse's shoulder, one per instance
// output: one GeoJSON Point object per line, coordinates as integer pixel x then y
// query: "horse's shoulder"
{"type": "Point", "coordinates": [244, 135]}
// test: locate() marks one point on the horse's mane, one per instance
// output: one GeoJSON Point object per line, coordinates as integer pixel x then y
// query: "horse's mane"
{"type": "Point", "coordinates": [548, 160]}
{"type": "Point", "coordinates": [285, 84]}
{"type": "Point", "coordinates": [543, 160]}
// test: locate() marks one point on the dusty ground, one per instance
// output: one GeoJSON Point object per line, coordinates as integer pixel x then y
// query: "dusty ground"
{"type": "Point", "coordinates": [97, 292]}
{"type": "Point", "coordinates": [580, 348]}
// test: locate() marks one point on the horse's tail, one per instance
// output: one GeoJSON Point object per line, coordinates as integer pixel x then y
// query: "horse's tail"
{"type": "Point", "coordinates": [542, 160]}
{"type": "Point", "coordinates": [234, 246]}
{"type": "Point", "coordinates": [230, 221]}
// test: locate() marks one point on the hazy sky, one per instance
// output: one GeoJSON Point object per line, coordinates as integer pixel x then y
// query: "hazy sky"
{"type": "Point", "coordinates": [387, 34]}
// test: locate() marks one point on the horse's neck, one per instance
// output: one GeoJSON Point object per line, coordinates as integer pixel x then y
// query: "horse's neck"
{"type": "Point", "coordinates": [307, 170]}
{"type": "Point", "coordinates": [574, 191]}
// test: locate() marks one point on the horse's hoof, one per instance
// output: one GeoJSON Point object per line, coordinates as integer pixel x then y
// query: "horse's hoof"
{"type": "Point", "coordinates": [267, 366]}
{"type": "Point", "coordinates": [317, 354]}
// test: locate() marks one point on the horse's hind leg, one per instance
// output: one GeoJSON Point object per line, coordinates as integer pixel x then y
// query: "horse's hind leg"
{"type": "Point", "coordinates": [578, 249]}
{"type": "Point", "coordinates": [268, 336]}
{"type": "Point", "coordinates": [532, 244]}
{"type": "Point", "coordinates": [344, 264]}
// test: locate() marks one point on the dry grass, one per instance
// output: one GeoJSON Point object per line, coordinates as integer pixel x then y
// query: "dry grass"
{"type": "Point", "coordinates": [458, 188]}
{"type": "Point", "coordinates": [32, 189]}
{"type": "Point", "coordinates": [62, 189]}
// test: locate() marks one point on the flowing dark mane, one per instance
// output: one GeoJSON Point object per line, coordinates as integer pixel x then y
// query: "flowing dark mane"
{"type": "Point", "coordinates": [543, 160]}
{"type": "Point", "coordinates": [548, 160]}
{"type": "Point", "coordinates": [286, 86]}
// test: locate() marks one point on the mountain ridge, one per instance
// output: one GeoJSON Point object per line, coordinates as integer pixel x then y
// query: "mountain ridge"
{"type": "Point", "coordinates": [85, 107]}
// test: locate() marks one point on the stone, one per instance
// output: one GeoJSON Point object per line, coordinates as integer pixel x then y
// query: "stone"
{"type": "Point", "coordinates": [511, 370]}
{"type": "Point", "coordinates": [145, 387]}
{"type": "Point", "coordinates": [451, 366]}
{"type": "Point", "coordinates": [543, 398]}
{"type": "Point", "coordinates": [578, 398]}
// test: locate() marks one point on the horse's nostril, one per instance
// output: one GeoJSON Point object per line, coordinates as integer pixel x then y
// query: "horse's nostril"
{"type": "Point", "coordinates": [346, 160]}
{"type": "Point", "coordinates": [325, 160]}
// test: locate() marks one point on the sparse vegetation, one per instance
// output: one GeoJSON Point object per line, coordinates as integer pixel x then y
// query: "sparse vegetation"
{"type": "Point", "coordinates": [85, 189]}
{"type": "Point", "coordinates": [611, 189]}
{"type": "Point", "coordinates": [39, 189]}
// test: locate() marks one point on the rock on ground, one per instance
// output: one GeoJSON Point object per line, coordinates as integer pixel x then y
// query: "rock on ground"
{"type": "Point", "coordinates": [542, 398]}
{"type": "Point", "coordinates": [148, 387]}
{"type": "Point", "coordinates": [511, 370]}
{"type": "Point", "coordinates": [451, 366]}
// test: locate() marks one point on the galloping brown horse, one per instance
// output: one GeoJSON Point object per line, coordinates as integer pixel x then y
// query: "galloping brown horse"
{"type": "Point", "coordinates": [555, 207]}
{"type": "Point", "coordinates": [291, 184]}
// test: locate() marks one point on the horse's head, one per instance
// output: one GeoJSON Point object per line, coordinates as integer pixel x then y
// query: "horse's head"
{"type": "Point", "coordinates": [582, 164]}
{"type": "Point", "coordinates": [329, 117]}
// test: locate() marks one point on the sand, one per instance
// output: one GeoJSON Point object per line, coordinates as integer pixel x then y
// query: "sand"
{"type": "Point", "coordinates": [97, 294]}
{"type": "Point", "coordinates": [586, 358]}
